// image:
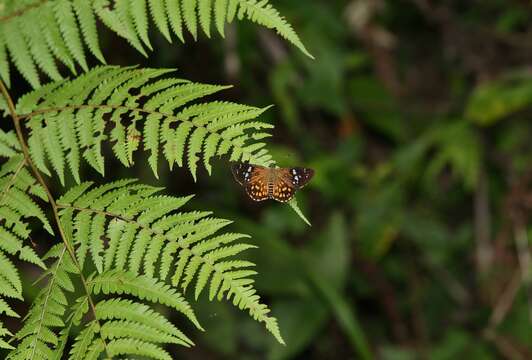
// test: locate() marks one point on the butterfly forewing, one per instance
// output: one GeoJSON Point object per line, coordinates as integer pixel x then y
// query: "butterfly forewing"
{"type": "Point", "coordinates": [244, 171]}
{"type": "Point", "coordinates": [300, 176]}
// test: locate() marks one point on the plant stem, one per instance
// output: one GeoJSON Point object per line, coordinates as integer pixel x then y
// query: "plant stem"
{"type": "Point", "coordinates": [38, 176]}
{"type": "Point", "coordinates": [525, 263]}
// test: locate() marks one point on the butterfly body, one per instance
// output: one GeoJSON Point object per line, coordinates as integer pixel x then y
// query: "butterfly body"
{"type": "Point", "coordinates": [262, 183]}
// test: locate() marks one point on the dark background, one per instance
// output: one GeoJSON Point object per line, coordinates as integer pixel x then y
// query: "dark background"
{"type": "Point", "coordinates": [415, 115]}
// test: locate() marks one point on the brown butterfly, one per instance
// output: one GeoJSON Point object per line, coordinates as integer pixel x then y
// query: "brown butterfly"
{"type": "Point", "coordinates": [263, 183]}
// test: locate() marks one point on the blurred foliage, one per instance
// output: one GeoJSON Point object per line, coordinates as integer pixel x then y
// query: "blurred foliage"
{"type": "Point", "coordinates": [416, 116]}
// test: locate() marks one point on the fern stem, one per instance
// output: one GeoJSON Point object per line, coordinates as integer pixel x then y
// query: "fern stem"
{"type": "Point", "coordinates": [86, 106]}
{"type": "Point", "coordinates": [38, 176]}
{"type": "Point", "coordinates": [22, 11]}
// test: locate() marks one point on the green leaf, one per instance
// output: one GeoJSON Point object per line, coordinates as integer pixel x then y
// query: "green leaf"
{"type": "Point", "coordinates": [493, 101]}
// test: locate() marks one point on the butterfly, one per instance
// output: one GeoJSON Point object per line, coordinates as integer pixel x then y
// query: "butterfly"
{"type": "Point", "coordinates": [262, 183]}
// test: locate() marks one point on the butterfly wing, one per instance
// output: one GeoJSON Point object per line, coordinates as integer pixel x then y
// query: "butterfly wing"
{"type": "Point", "coordinates": [288, 180]}
{"type": "Point", "coordinates": [300, 176]}
{"type": "Point", "coordinates": [257, 189]}
{"type": "Point", "coordinates": [254, 178]}
{"type": "Point", "coordinates": [282, 189]}
{"type": "Point", "coordinates": [285, 181]}
{"type": "Point", "coordinates": [242, 172]}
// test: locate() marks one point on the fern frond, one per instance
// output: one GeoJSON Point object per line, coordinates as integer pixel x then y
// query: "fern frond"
{"type": "Point", "coordinates": [132, 312]}
{"type": "Point", "coordinates": [17, 204]}
{"type": "Point", "coordinates": [123, 326]}
{"type": "Point", "coordinates": [148, 239]}
{"type": "Point", "coordinates": [37, 339]}
{"type": "Point", "coordinates": [35, 34]}
{"type": "Point", "coordinates": [137, 347]}
{"type": "Point", "coordinates": [143, 287]}
{"type": "Point", "coordinates": [68, 120]}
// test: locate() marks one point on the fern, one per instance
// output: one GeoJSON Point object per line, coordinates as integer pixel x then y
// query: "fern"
{"type": "Point", "coordinates": [18, 189]}
{"type": "Point", "coordinates": [40, 32]}
{"type": "Point", "coordinates": [70, 120]}
{"type": "Point", "coordinates": [124, 248]}
{"type": "Point", "coordinates": [148, 239]}
{"type": "Point", "coordinates": [156, 241]}
{"type": "Point", "coordinates": [37, 338]}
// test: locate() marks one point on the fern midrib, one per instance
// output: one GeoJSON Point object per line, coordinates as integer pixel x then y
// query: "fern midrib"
{"type": "Point", "coordinates": [48, 295]}
{"type": "Point", "coordinates": [22, 11]}
{"type": "Point", "coordinates": [51, 200]}
{"type": "Point", "coordinates": [238, 288]}
{"type": "Point", "coordinates": [128, 108]}
{"type": "Point", "coordinates": [12, 181]}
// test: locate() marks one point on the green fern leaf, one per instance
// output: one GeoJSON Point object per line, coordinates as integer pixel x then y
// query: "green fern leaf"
{"type": "Point", "coordinates": [189, 16]}
{"type": "Point", "coordinates": [152, 254]}
{"type": "Point", "coordinates": [9, 272]}
{"type": "Point", "coordinates": [220, 15]}
{"type": "Point", "coordinates": [52, 146]}
{"type": "Point", "coordinates": [139, 13]}
{"type": "Point", "coordinates": [232, 8]}
{"type": "Point", "coordinates": [263, 13]}
{"type": "Point", "coordinates": [204, 14]}
{"type": "Point", "coordinates": [36, 338]}
{"type": "Point", "coordinates": [6, 309]}
{"type": "Point", "coordinates": [173, 10]}
{"type": "Point", "coordinates": [139, 313]}
{"type": "Point", "coordinates": [144, 287]}
{"type": "Point", "coordinates": [128, 23]}
{"type": "Point", "coordinates": [66, 19]}
{"type": "Point", "coordinates": [29, 255]}
{"type": "Point", "coordinates": [196, 142]}
{"type": "Point", "coordinates": [83, 341]}
{"type": "Point", "coordinates": [87, 23]}
{"type": "Point", "coordinates": [77, 113]}
{"type": "Point", "coordinates": [19, 52]}
{"type": "Point", "coordinates": [125, 244]}
{"type": "Point", "coordinates": [96, 243]}
{"type": "Point", "coordinates": [38, 47]}
{"type": "Point", "coordinates": [69, 142]}
{"type": "Point", "coordinates": [74, 193]}
{"type": "Point", "coordinates": [137, 347]}
{"type": "Point", "coordinates": [160, 18]}
{"type": "Point", "coordinates": [148, 238]}
{"type": "Point", "coordinates": [66, 25]}
{"type": "Point", "coordinates": [130, 329]}
{"type": "Point", "coordinates": [114, 233]}
{"type": "Point", "coordinates": [4, 63]}
{"type": "Point", "coordinates": [141, 242]}
{"type": "Point", "coordinates": [9, 145]}
{"type": "Point", "coordinates": [54, 39]}
{"type": "Point", "coordinates": [151, 140]}
{"type": "Point", "coordinates": [81, 236]}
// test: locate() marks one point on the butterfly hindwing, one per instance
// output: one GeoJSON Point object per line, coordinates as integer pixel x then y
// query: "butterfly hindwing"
{"type": "Point", "coordinates": [257, 190]}
{"type": "Point", "coordinates": [283, 189]}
